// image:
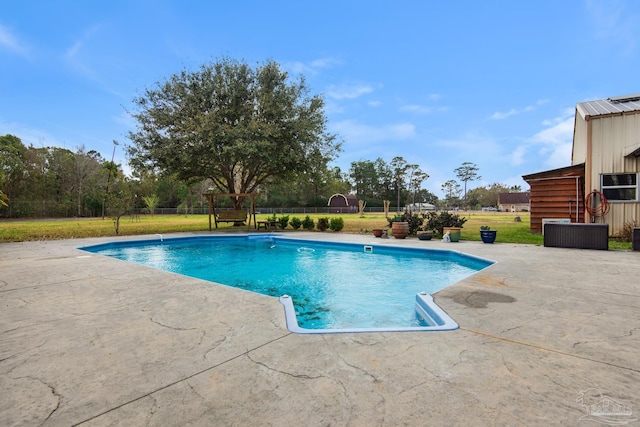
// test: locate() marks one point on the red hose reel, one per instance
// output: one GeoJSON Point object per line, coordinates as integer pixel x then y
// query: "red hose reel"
{"type": "Point", "coordinates": [594, 209]}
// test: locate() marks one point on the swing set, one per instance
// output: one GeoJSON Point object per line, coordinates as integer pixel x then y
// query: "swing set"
{"type": "Point", "coordinates": [237, 216]}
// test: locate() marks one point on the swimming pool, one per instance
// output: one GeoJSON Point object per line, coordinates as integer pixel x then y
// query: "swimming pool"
{"type": "Point", "coordinates": [325, 287]}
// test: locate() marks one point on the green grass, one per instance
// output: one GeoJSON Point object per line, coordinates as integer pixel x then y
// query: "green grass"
{"type": "Point", "coordinates": [509, 231]}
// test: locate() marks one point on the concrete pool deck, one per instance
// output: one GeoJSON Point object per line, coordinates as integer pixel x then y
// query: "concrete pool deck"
{"type": "Point", "coordinates": [94, 341]}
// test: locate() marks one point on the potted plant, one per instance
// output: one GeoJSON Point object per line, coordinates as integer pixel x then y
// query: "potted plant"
{"type": "Point", "coordinates": [377, 232]}
{"type": "Point", "coordinates": [425, 234]}
{"type": "Point", "coordinates": [487, 234]}
{"type": "Point", "coordinates": [399, 227]}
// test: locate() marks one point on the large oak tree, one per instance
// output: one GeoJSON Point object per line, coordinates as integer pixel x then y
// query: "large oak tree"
{"type": "Point", "coordinates": [236, 125]}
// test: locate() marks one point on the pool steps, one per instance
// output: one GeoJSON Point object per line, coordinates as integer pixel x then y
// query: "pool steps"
{"type": "Point", "coordinates": [435, 318]}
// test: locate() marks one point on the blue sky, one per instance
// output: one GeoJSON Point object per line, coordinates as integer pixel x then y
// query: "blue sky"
{"type": "Point", "coordinates": [438, 83]}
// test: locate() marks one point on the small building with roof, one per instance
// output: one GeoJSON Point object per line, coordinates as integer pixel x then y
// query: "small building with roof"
{"type": "Point", "coordinates": [514, 202]}
{"type": "Point", "coordinates": [343, 203]}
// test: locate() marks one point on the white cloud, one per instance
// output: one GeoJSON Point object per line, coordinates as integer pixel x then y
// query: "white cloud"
{"type": "Point", "coordinates": [517, 156]}
{"type": "Point", "coordinates": [469, 144]}
{"type": "Point", "coordinates": [500, 116]}
{"type": "Point", "coordinates": [358, 133]}
{"type": "Point", "coordinates": [331, 107]}
{"type": "Point", "coordinates": [10, 42]}
{"type": "Point", "coordinates": [74, 54]}
{"type": "Point", "coordinates": [313, 67]}
{"type": "Point", "coordinates": [324, 63]}
{"type": "Point", "coordinates": [560, 131]}
{"type": "Point", "coordinates": [556, 141]}
{"type": "Point", "coordinates": [348, 91]}
{"type": "Point", "coordinates": [73, 51]}
{"type": "Point", "coordinates": [514, 111]}
{"type": "Point", "coordinates": [423, 109]}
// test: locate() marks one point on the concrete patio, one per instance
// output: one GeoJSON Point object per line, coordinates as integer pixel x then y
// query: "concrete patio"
{"type": "Point", "coordinates": [93, 341]}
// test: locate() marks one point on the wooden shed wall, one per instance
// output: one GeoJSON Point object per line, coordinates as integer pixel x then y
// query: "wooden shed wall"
{"type": "Point", "coordinates": [556, 198]}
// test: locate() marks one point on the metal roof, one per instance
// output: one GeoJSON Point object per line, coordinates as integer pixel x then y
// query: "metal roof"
{"type": "Point", "coordinates": [514, 198]}
{"type": "Point", "coordinates": [564, 172]}
{"type": "Point", "coordinates": [610, 106]}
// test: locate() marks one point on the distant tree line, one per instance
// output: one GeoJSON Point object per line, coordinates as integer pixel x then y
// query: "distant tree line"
{"type": "Point", "coordinates": [57, 182]}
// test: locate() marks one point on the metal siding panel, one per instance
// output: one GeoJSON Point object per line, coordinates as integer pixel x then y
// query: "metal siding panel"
{"type": "Point", "coordinates": [613, 137]}
{"type": "Point", "coordinates": [619, 214]}
{"type": "Point", "coordinates": [597, 131]}
{"type": "Point", "coordinates": [579, 151]}
{"type": "Point", "coordinates": [631, 141]}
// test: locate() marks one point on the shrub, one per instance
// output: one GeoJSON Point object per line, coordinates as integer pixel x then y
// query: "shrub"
{"type": "Point", "coordinates": [295, 223]}
{"type": "Point", "coordinates": [307, 223]}
{"type": "Point", "coordinates": [323, 224]}
{"type": "Point", "coordinates": [626, 232]}
{"type": "Point", "coordinates": [415, 221]}
{"type": "Point", "coordinates": [395, 218]}
{"type": "Point", "coordinates": [336, 224]}
{"type": "Point", "coordinates": [283, 221]}
{"type": "Point", "coordinates": [437, 221]}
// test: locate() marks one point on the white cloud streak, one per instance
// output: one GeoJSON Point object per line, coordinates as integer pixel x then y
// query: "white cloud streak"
{"type": "Point", "coordinates": [73, 51]}
{"type": "Point", "coordinates": [311, 68]}
{"type": "Point", "coordinates": [423, 109]}
{"type": "Point", "coordinates": [359, 133]}
{"type": "Point", "coordinates": [76, 54]}
{"type": "Point", "coordinates": [554, 143]}
{"type": "Point", "coordinates": [514, 111]}
{"type": "Point", "coordinates": [348, 91]}
{"type": "Point", "coordinates": [11, 43]}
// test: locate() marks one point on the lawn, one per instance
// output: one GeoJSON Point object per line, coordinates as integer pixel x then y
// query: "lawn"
{"type": "Point", "coordinates": [509, 231]}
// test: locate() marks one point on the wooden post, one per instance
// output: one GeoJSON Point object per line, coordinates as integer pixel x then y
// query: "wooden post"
{"type": "Point", "coordinates": [209, 197]}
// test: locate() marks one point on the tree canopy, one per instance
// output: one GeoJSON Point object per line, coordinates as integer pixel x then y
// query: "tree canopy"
{"type": "Point", "coordinates": [233, 124]}
{"type": "Point", "coordinates": [467, 172]}
{"type": "Point", "coordinates": [48, 181]}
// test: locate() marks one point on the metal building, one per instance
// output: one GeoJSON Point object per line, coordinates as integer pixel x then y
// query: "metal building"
{"type": "Point", "coordinates": [605, 165]}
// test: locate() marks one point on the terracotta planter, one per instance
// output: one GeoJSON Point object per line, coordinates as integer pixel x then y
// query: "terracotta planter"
{"type": "Point", "coordinates": [377, 232]}
{"type": "Point", "coordinates": [400, 230]}
{"type": "Point", "coordinates": [454, 233]}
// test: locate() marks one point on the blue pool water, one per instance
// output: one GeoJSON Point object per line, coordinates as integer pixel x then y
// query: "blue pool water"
{"type": "Point", "coordinates": [333, 286]}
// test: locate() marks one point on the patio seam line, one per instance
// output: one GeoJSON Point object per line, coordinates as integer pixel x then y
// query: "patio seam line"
{"type": "Point", "coordinates": [538, 347]}
{"type": "Point", "coordinates": [164, 387]}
